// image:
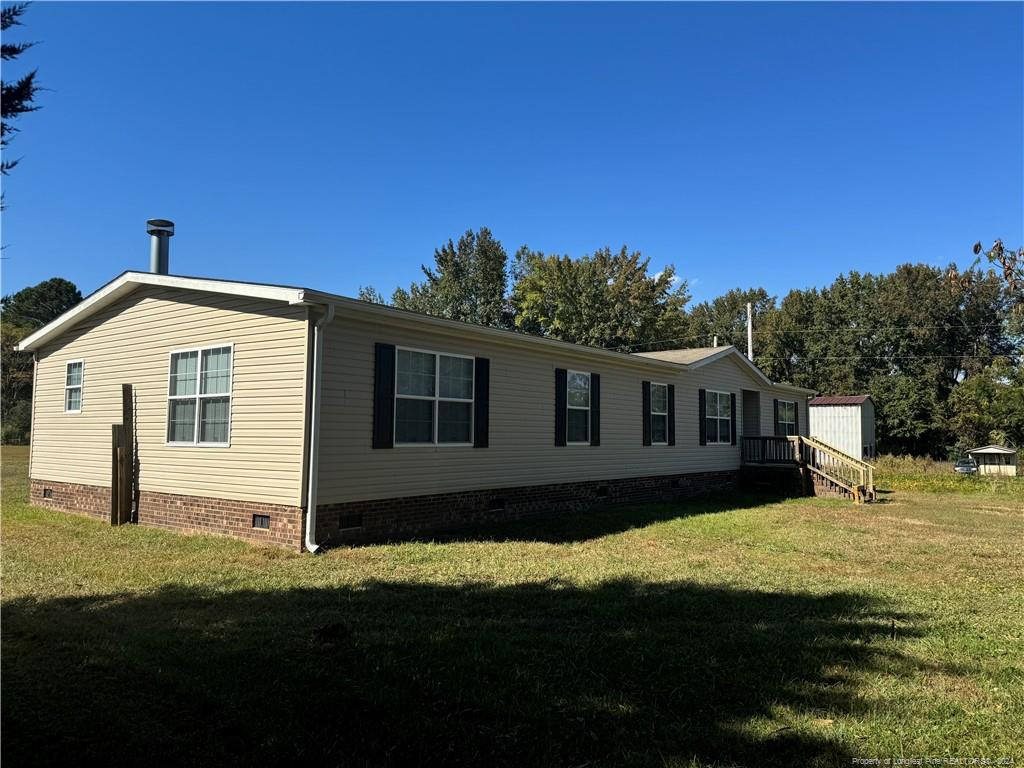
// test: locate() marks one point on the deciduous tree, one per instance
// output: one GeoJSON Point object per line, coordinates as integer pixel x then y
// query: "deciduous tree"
{"type": "Point", "coordinates": [605, 299]}
{"type": "Point", "coordinates": [726, 318]}
{"type": "Point", "coordinates": [467, 282]}
{"type": "Point", "coordinates": [20, 314]}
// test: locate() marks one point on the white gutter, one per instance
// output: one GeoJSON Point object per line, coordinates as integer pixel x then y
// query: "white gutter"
{"type": "Point", "coordinates": [314, 428]}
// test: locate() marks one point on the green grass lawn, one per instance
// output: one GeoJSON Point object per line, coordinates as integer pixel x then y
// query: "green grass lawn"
{"type": "Point", "coordinates": [727, 632]}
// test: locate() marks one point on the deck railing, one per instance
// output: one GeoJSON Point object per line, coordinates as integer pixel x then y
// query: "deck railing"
{"type": "Point", "coordinates": [815, 457]}
{"type": "Point", "coordinates": [847, 469]}
{"type": "Point", "coordinates": [766, 449]}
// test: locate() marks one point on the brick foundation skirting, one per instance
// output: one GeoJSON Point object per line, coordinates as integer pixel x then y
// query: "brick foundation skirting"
{"type": "Point", "coordinates": [398, 518]}
{"type": "Point", "coordinates": [89, 500]}
{"type": "Point", "coordinates": [181, 513]}
{"type": "Point", "coordinates": [378, 519]}
{"type": "Point", "coordinates": [224, 517]}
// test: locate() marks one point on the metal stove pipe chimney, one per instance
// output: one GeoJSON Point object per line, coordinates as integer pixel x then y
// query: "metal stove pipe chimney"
{"type": "Point", "coordinates": [161, 232]}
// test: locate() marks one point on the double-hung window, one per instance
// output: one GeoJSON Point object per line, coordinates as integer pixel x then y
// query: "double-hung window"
{"type": "Point", "coordinates": [787, 417]}
{"type": "Point", "coordinates": [718, 417]}
{"type": "Point", "coordinates": [433, 398]}
{"type": "Point", "coordinates": [578, 407]}
{"type": "Point", "coordinates": [659, 414]}
{"type": "Point", "coordinates": [199, 397]}
{"type": "Point", "coordinates": [74, 375]}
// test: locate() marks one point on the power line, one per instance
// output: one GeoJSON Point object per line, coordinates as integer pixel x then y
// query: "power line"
{"type": "Point", "coordinates": [826, 329]}
{"type": "Point", "coordinates": [945, 327]}
{"type": "Point", "coordinates": [801, 359]}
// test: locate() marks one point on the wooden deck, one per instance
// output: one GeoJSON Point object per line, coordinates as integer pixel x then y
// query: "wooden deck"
{"type": "Point", "coordinates": [822, 467]}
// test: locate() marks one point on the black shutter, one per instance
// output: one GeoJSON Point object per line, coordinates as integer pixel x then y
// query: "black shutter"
{"type": "Point", "coordinates": [732, 413]}
{"type": "Point", "coordinates": [645, 387]}
{"type": "Point", "coordinates": [481, 401]}
{"type": "Point", "coordinates": [796, 417]}
{"type": "Point", "coordinates": [702, 410]}
{"type": "Point", "coordinates": [560, 406]}
{"type": "Point", "coordinates": [775, 406]}
{"type": "Point", "coordinates": [384, 396]}
{"type": "Point", "coordinates": [671, 414]}
{"type": "Point", "coordinates": [595, 409]}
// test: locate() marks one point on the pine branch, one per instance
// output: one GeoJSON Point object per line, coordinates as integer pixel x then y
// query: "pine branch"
{"type": "Point", "coordinates": [16, 99]}
{"type": "Point", "coordinates": [10, 51]}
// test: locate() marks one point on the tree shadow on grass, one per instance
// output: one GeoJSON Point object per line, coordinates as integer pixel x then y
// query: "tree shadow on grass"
{"type": "Point", "coordinates": [583, 525]}
{"type": "Point", "coordinates": [621, 673]}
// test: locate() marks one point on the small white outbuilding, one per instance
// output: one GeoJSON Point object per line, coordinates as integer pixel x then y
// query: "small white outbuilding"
{"type": "Point", "coordinates": [846, 422]}
{"type": "Point", "coordinates": [995, 460]}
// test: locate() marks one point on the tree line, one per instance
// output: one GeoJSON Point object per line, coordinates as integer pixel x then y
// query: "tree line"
{"type": "Point", "coordinates": [20, 314]}
{"type": "Point", "coordinates": [939, 350]}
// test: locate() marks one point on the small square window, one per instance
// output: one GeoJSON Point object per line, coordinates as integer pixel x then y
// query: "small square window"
{"type": "Point", "coordinates": [261, 521]}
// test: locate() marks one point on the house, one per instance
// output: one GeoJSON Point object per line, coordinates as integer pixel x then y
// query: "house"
{"type": "Point", "coordinates": [846, 422]}
{"type": "Point", "coordinates": [995, 460]}
{"type": "Point", "coordinates": [292, 416]}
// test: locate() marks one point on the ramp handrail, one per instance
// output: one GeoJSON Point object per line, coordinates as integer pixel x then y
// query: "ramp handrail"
{"type": "Point", "coordinates": [825, 446]}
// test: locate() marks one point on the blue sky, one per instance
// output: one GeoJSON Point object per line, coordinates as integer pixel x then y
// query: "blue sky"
{"type": "Point", "coordinates": [335, 146]}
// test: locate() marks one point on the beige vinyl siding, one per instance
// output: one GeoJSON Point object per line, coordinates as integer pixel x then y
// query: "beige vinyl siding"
{"type": "Point", "coordinates": [130, 342]}
{"type": "Point", "coordinates": [522, 450]}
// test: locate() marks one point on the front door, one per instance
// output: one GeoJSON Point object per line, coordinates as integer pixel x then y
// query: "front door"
{"type": "Point", "coordinates": [751, 413]}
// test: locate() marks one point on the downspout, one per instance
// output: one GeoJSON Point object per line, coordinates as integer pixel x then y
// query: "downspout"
{"type": "Point", "coordinates": [314, 428]}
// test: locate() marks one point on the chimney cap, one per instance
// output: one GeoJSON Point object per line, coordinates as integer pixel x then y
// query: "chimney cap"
{"type": "Point", "coordinates": [160, 227]}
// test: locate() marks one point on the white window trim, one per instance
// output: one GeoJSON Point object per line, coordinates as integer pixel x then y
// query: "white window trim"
{"type": "Point", "coordinates": [198, 397]}
{"type": "Point", "coordinates": [727, 396]}
{"type": "Point", "coordinates": [793, 422]}
{"type": "Point", "coordinates": [80, 387]}
{"type": "Point", "coordinates": [590, 402]}
{"type": "Point", "coordinates": [436, 398]}
{"type": "Point", "coordinates": [660, 413]}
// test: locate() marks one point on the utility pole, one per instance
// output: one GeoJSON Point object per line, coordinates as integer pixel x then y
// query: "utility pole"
{"type": "Point", "coordinates": [750, 333]}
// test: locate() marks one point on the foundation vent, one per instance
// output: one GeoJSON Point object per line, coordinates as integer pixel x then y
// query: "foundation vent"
{"type": "Point", "coordinates": [349, 521]}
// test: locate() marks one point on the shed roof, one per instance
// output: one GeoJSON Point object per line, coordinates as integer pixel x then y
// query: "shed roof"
{"type": "Point", "coordinates": [1000, 449]}
{"type": "Point", "coordinates": [839, 400]}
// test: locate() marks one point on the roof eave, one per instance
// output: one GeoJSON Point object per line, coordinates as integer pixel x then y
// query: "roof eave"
{"type": "Point", "coordinates": [397, 316]}
{"type": "Point", "coordinates": [127, 282]}
{"type": "Point", "coordinates": [795, 388]}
